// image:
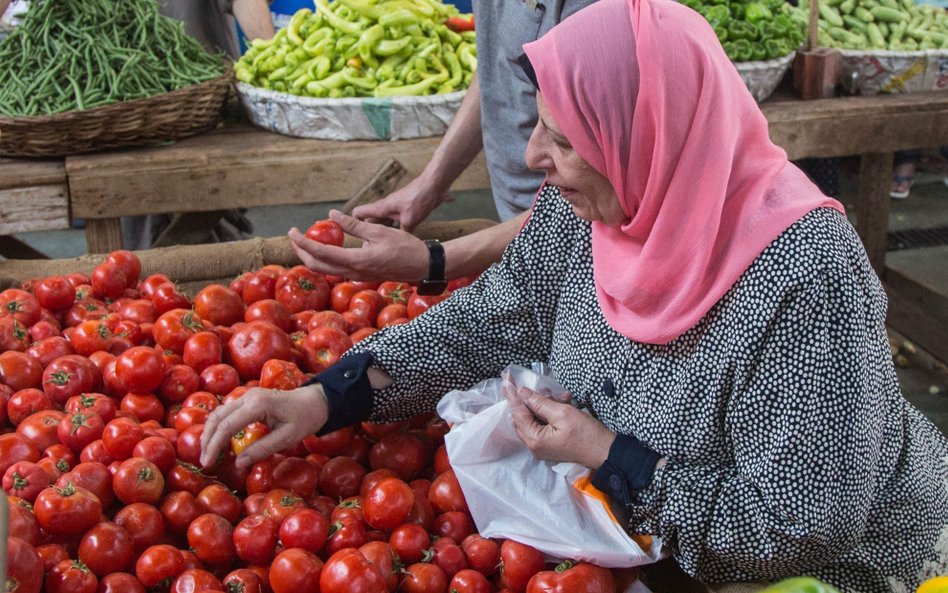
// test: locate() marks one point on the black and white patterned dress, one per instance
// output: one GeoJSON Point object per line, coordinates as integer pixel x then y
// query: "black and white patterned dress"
{"type": "Point", "coordinates": [790, 448]}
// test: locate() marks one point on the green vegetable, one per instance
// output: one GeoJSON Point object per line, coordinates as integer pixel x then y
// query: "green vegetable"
{"type": "Point", "coordinates": [888, 15]}
{"type": "Point", "coordinates": [800, 585]}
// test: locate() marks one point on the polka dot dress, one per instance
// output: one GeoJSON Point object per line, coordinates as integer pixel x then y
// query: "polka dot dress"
{"type": "Point", "coordinates": [790, 448]}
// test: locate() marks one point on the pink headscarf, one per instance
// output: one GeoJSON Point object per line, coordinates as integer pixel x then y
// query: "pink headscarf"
{"type": "Point", "coordinates": [646, 95]}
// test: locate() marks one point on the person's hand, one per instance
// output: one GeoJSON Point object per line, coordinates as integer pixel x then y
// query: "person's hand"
{"type": "Point", "coordinates": [291, 415]}
{"type": "Point", "coordinates": [556, 431]}
{"type": "Point", "coordinates": [386, 253]}
{"type": "Point", "coordinates": [408, 206]}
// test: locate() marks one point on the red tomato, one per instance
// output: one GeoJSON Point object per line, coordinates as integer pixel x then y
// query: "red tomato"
{"type": "Point", "coordinates": [55, 293]}
{"type": "Point", "coordinates": [108, 281]}
{"type": "Point", "coordinates": [569, 578]}
{"type": "Point", "coordinates": [13, 335]}
{"type": "Point", "coordinates": [92, 403]}
{"type": "Point", "coordinates": [359, 335]}
{"type": "Point", "coordinates": [22, 371]}
{"type": "Point", "coordinates": [193, 580]}
{"type": "Point", "coordinates": [157, 450]}
{"type": "Point", "coordinates": [219, 305]}
{"type": "Point", "coordinates": [323, 347]}
{"type": "Point", "coordinates": [349, 571]}
{"type": "Point", "coordinates": [424, 578]}
{"type": "Point", "coordinates": [254, 344]}
{"type": "Point", "coordinates": [418, 304]}
{"type": "Point", "coordinates": [19, 447]}
{"type": "Point", "coordinates": [178, 382]}
{"type": "Point", "coordinates": [340, 296]}
{"type": "Point", "coordinates": [327, 232]}
{"type": "Point", "coordinates": [23, 524]}
{"type": "Point", "coordinates": [281, 374]}
{"type": "Point", "coordinates": [395, 292]}
{"type": "Point", "coordinates": [68, 376]}
{"type": "Point", "coordinates": [448, 556]}
{"type": "Point", "coordinates": [519, 562]}
{"type": "Point", "coordinates": [187, 476]}
{"type": "Point", "coordinates": [107, 548]}
{"type": "Point", "coordinates": [202, 350]}
{"type": "Point", "coordinates": [327, 319]}
{"type": "Point", "coordinates": [25, 479]}
{"type": "Point", "coordinates": [243, 580]}
{"type": "Point", "coordinates": [255, 539]}
{"type": "Point", "coordinates": [349, 533]}
{"type": "Point", "coordinates": [366, 303]}
{"type": "Point", "coordinates": [179, 509]}
{"type": "Point", "coordinates": [121, 582]}
{"type": "Point", "coordinates": [219, 379]}
{"type": "Point", "coordinates": [295, 570]}
{"type": "Point", "coordinates": [402, 452]}
{"type": "Point", "coordinates": [446, 495]}
{"type": "Point", "coordinates": [143, 406]}
{"type": "Point", "coordinates": [138, 480]}
{"type": "Point", "coordinates": [296, 475]}
{"type": "Point", "coordinates": [278, 504]}
{"type": "Point", "coordinates": [331, 444]}
{"type": "Point", "coordinates": [306, 529]}
{"type": "Point", "coordinates": [24, 567]}
{"type": "Point", "coordinates": [120, 437]}
{"type": "Point", "coordinates": [453, 524]}
{"type": "Point", "coordinates": [20, 305]}
{"type": "Point", "coordinates": [90, 336]}
{"type": "Point", "coordinates": [410, 542]}
{"type": "Point", "coordinates": [259, 285]}
{"type": "Point", "coordinates": [260, 478]}
{"type": "Point", "coordinates": [483, 555]}
{"type": "Point", "coordinates": [217, 498]}
{"type": "Point", "coordinates": [45, 351]}
{"type": "Point", "coordinates": [158, 563]}
{"type": "Point", "coordinates": [167, 297]}
{"type": "Point", "coordinates": [26, 403]}
{"type": "Point", "coordinates": [341, 477]}
{"type": "Point", "coordinates": [301, 289]}
{"type": "Point", "coordinates": [212, 539]}
{"type": "Point", "coordinates": [67, 511]}
{"type": "Point", "coordinates": [469, 581]}
{"type": "Point", "coordinates": [188, 445]}
{"type": "Point", "coordinates": [143, 522]}
{"type": "Point", "coordinates": [129, 263]}
{"type": "Point", "coordinates": [94, 477]}
{"type": "Point", "coordinates": [51, 554]}
{"type": "Point", "coordinates": [78, 430]}
{"type": "Point", "coordinates": [140, 369]}
{"type": "Point", "coordinates": [139, 310]}
{"type": "Point", "coordinates": [388, 503]}
{"type": "Point", "coordinates": [391, 313]}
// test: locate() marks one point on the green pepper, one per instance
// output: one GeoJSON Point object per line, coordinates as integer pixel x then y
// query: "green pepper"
{"type": "Point", "coordinates": [390, 47]}
{"type": "Point", "coordinates": [317, 41]}
{"type": "Point", "coordinates": [741, 30]}
{"type": "Point", "coordinates": [293, 29]}
{"type": "Point", "coordinates": [756, 11]}
{"type": "Point", "coordinates": [467, 55]}
{"type": "Point", "coordinates": [363, 8]}
{"type": "Point", "coordinates": [397, 17]}
{"type": "Point", "coordinates": [335, 21]}
{"type": "Point", "coordinates": [419, 88]}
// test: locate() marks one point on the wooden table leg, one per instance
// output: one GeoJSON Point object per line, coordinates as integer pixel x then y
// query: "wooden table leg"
{"type": "Point", "coordinates": [872, 210]}
{"type": "Point", "coordinates": [103, 235]}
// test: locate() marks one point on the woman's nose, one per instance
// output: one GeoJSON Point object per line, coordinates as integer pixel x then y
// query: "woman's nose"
{"type": "Point", "coordinates": [536, 157]}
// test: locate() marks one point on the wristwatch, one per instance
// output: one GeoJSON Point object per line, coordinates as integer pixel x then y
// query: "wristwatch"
{"type": "Point", "coordinates": [435, 283]}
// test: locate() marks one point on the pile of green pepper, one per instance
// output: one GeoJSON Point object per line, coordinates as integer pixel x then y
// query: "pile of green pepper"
{"type": "Point", "coordinates": [78, 54]}
{"type": "Point", "coordinates": [751, 30]}
{"type": "Point", "coordinates": [364, 48]}
{"type": "Point", "coordinates": [898, 25]}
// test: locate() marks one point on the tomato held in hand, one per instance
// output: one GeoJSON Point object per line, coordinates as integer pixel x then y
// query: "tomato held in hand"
{"type": "Point", "coordinates": [327, 232]}
{"type": "Point", "coordinates": [248, 436]}
{"type": "Point", "coordinates": [573, 578]}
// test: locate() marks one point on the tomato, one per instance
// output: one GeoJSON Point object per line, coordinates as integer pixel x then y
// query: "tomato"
{"type": "Point", "coordinates": [178, 509]}
{"type": "Point", "coordinates": [366, 303]}
{"type": "Point", "coordinates": [55, 293]}
{"type": "Point", "coordinates": [469, 581]}
{"type": "Point", "coordinates": [143, 406]}
{"type": "Point", "coordinates": [219, 305]}
{"type": "Point", "coordinates": [217, 498]}
{"type": "Point", "coordinates": [108, 281]}
{"type": "Point", "coordinates": [483, 554]}
{"type": "Point", "coordinates": [92, 403]}
{"type": "Point", "coordinates": [395, 293]}
{"type": "Point", "coordinates": [178, 382]}
{"type": "Point", "coordinates": [167, 297]}
{"type": "Point", "coordinates": [348, 533]}
{"type": "Point", "coordinates": [26, 403]}
{"type": "Point", "coordinates": [187, 416]}
{"type": "Point", "coordinates": [296, 475]}
{"type": "Point", "coordinates": [410, 542]}
{"type": "Point", "coordinates": [25, 479]}
{"type": "Point", "coordinates": [202, 350]}
{"type": "Point", "coordinates": [453, 524]}
{"type": "Point", "coordinates": [107, 548]}
{"type": "Point", "coordinates": [70, 510]}
{"type": "Point", "coordinates": [327, 319]}
{"type": "Point", "coordinates": [14, 336]}
{"type": "Point", "coordinates": [448, 556]}
{"type": "Point", "coordinates": [78, 430]}
{"type": "Point", "coordinates": [387, 504]}
{"type": "Point", "coordinates": [120, 437]}
{"type": "Point", "coordinates": [51, 554]}
{"type": "Point", "coordinates": [140, 311]}
{"type": "Point", "coordinates": [94, 477]}
{"type": "Point", "coordinates": [68, 376]}
{"type": "Point", "coordinates": [341, 477]}
{"type": "Point", "coordinates": [254, 344]}
{"type": "Point", "coordinates": [278, 504]}
{"type": "Point", "coordinates": [569, 578]}
{"type": "Point", "coordinates": [174, 327]}
{"type": "Point", "coordinates": [129, 263]}
{"type": "Point", "coordinates": [91, 336]}
{"type": "Point", "coordinates": [401, 452]}
{"type": "Point", "coordinates": [242, 580]}
{"type": "Point", "coordinates": [418, 304]}
{"type": "Point", "coordinates": [140, 369]}
{"type": "Point", "coordinates": [95, 452]}
{"type": "Point", "coordinates": [18, 447]}
{"type": "Point", "coordinates": [446, 495]}
{"type": "Point", "coordinates": [121, 582]}
{"type": "Point", "coordinates": [260, 478]}
{"type": "Point", "coordinates": [138, 480]}
{"type": "Point", "coordinates": [247, 436]}
{"type": "Point", "coordinates": [24, 567]}
{"type": "Point", "coordinates": [187, 476]}
{"type": "Point", "coordinates": [301, 289]}
{"type": "Point", "coordinates": [158, 563]}
{"type": "Point", "coordinates": [281, 374]}
{"type": "Point", "coordinates": [323, 347]}
{"type": "Point", "coordinates": [157, 450]}
{"type": "Point", "coordinates": [22, 522]}
{"type": "Point", "coordinates": [19, 305]}
{"type": "Point", "coordinates": [22, 371]}
{"type": "Point", "coordinates": [327, 232]}
{"type": "Point", "coordinates": [219, 379]}
{"type": "Point", "coordinates": [193, 580]}
{"type": "Point", "coordinates": [306, 529]}
{"type": "Point", "coordinates": [258, 286]}
{"type": "Point", "coordinates": [349, 571]}
{"type": "Point", "coordinates": [44, 351]}
{"type": "Point", "coordinates": [390, 314]}
{"type": "Point", "coordinates": [519, 562]}
{"type": "Point", "coordinates": [212, 539]}
{"type": "Point", "coordinates": [424, 578]}
{"type": "Point", "coordinates": [255, 539]}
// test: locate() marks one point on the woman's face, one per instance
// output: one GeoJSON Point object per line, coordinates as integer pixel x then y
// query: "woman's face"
{"type": "Point", "coordinates": [589, 193]}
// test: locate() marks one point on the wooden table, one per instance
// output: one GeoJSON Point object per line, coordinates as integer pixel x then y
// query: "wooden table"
{"type": "Point", "coordinates": [242, 166]}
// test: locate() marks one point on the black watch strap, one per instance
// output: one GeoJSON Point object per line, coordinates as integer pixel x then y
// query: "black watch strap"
{"type": "Point", "coordinates": [435, 283]}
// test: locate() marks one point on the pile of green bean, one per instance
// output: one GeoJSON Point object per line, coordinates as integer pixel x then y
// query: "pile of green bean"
{"type": "Point", "coordinates": [79, 54]}
{"type": "Point", "coordinates": [364, 48]}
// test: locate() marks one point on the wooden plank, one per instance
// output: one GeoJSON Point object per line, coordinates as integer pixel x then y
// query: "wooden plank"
{"type": "Point", "coordinates": [17, 173]}
{"type": "Point", "coordinates": [189, 228]}
{"type": "Point", "coordinates": [103, 235]}
{"type": "Point", "coordinates": [872, 210]}
{"type": "Point", "coordinates": [40, 208]}
{"type": "Point", "coordinates": [13, 248]}
{"type": "Point", "coordinates": [918, 312]}
{"type": "Point", "coordinates": [384, 182]}
{"type": "Point", "coordinates": [846, 126]}
{"type": "Point", "coordinates": [239, 169]}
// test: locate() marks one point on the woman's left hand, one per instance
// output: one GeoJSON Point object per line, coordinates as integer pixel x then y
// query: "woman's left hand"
{"type": "Point", "coordinates": [555, 431]}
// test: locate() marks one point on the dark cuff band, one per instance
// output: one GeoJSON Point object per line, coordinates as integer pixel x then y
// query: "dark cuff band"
{"type": "Point", "coordinates": [348, 391]}
{"type": "Point", "coordinates": [627, 470]}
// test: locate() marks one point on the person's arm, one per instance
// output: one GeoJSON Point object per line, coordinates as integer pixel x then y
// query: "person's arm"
{"type": "Point", "coordinates": [461, 143]}
{"type": "Point", "coordinates": [393, 254]}
{"type": "Point", "coordinates": [254, 18]}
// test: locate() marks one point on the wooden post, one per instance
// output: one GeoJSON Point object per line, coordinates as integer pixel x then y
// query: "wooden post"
{"type": "Point", "coordinates": [872, 211]}
{"type": "Point", "coordinates": [103, 235]}
{"type": "Point", "coordinates": [816, 70]}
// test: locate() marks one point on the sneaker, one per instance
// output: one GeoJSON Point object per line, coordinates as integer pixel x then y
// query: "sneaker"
{"type": "Point", "coordinates": [901, 186]}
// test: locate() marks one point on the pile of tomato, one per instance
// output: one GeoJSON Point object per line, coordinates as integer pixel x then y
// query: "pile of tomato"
{"type": "Point", "coordinates": [106, 381]}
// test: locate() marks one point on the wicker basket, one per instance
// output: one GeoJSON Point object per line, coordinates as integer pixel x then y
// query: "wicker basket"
{"type": "Point", "coordinates": [169, 116]}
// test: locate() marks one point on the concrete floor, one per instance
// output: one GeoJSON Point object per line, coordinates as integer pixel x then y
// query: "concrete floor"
{"type": "Point", "coordinates": [924, 381]}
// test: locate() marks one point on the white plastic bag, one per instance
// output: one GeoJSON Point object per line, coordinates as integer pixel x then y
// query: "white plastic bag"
{"type": "Point", "coordinates": [511, 494]}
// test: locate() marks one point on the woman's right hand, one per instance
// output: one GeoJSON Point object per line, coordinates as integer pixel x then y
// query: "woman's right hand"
{"type": "Point", "coordinates": [291, 416]}
{"type": "Point", "coordinates": [408, 206]}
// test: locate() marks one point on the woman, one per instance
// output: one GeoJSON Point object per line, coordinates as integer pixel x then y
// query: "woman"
{"type": "Point", "coordinates": [693, 290]}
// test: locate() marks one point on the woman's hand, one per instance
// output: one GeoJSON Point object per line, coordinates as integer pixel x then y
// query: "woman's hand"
{"type": "Point", "coordinates": [555, 431]}
{"type": "Point", "coordinates": [386, 253]}
{"type": "Point", "coordinates": [291, 415]}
